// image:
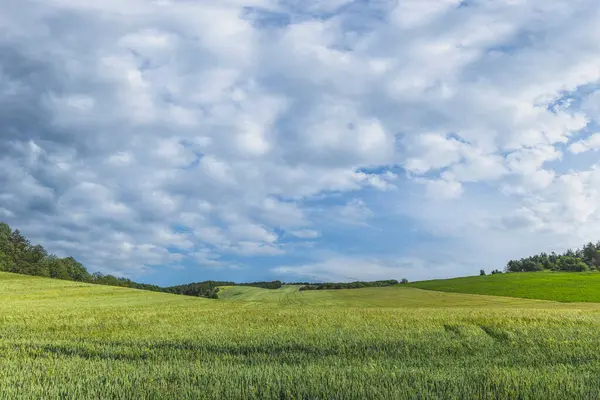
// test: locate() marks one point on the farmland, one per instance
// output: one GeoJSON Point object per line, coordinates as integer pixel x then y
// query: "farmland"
{"type": "Point", "coordinates": [63, 339]}
{"type": "Point", "coordinates": [556, 286]}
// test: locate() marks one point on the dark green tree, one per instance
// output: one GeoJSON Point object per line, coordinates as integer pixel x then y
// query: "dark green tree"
{"type": "Point", "coordinates": [571, 264]}
{"type": "Point", "coordinates": [57, 268]}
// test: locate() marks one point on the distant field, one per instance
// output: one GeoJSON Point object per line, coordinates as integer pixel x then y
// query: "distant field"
{"type": "Point", "coordinates": [62, 339]}
{"type": "Point", "coordinates": [555, 286]}
{"type": "Point", "coordinates": [388, 297]}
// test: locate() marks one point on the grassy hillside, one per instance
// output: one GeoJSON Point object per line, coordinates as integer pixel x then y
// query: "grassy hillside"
{"type": "Point", "coordinates": [388, 297]}
{"type": "Point", "coordinates": [66, 340]}
{"type": "Point", "coordinates": [555, 286]}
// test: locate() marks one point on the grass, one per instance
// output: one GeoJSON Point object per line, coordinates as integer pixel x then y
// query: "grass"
{"type": "Point", "coordinates": [555, 286]}
{"type": "Point", "coordinates": [62, 339]}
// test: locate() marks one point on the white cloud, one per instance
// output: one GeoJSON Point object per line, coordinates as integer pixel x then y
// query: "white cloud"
{"type": "Point", "coordinates": [443, 189]}
{"type": "Point", "coordinates": [430, 151]}
{"type": "Point", "coordinates": [252, 231]}
{"type": "Point", "coordinates": [212, 235]}
{"type": "Point", "coordinates": [591, 143]}
{"type": "Point", "coordinates": [530, 160]}
{"type": "Point", "coordinates": [206, 258]}
{"type": "Point", "coordinates": [347, 269]}
{"type": "Point", "coordinates": [414, 13]}
{"type": "Point", "coordinates": [354, 212]}
{"type": "Point", "coordinates": [477, 167]}
{"type": "Point", "coordinates": [198, 126]}
{"type": "Point", "coordinates": [305, 234]}
{"type": "Point", "coordinates": [255, 249]}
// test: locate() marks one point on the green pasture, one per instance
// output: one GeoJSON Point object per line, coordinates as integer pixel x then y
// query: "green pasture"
{"type": "Point", "coordinates": [66, 340]}
{"type": "Point", "coordinates": [556, 286]}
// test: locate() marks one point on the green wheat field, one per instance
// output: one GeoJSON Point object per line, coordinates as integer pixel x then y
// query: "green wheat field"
{"type": "Point", "coordinates": [69, 340]}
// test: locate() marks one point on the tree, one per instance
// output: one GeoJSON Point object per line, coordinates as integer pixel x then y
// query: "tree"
{"type": "Point", "coordinates": [349, 285]}
{"type": "Point", "coordinates": [596, 259]}
{"type": "Point", "coordinates": [18, 241]}
{"type": "Point", "coordinates": [513, 266]}
{"type": "Point", "coordinates": [571, 264]}
{"type": "Point", "coordinates": [5, 234]}
{"type": "Point", "coordinates": [57, 268]}
{"type": "Point", "coordinates": [76, 270]}
{"type": "Point", "coordinates": [6, 262]}
{"type": "Point", "coordinates": [531, 265]}
{"type": "Point", "coordinates": [570, 253]}
{"type": "Point", "coordinates": [32, 258]}
{"type": "Point", "coordinates": [588, 253]}
{"type": "Point", "coordinates": [481, 272]}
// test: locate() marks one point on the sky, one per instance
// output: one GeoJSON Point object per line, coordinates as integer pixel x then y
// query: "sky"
{"type": "Point", "coordinates": [172, 141]}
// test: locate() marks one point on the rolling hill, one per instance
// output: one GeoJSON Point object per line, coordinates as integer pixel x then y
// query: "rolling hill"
{"type": "Point", "coordinates": [399, 296]}
{"type": "Point", "coordinates": [61, 339]}
{"type": "Point", "coordinates": [555, 286]}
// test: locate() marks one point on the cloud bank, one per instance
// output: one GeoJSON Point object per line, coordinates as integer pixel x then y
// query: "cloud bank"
{"type": "Point", "coordinates": [180, 140]}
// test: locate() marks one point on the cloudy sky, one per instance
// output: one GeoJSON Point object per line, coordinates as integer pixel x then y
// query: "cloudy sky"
{"type": "Point", "coordinates": [181, 140]}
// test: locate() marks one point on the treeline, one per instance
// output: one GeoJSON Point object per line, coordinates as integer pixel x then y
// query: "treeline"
{"type": "Point", "coordinates": [586, 258]}
{"type": "Point", "coordinates": [211, 288]}
{"type": "Point", "coordinates": [350, 285]}
{"type": "Point", "coordinates": [19, 255]}
{"type": "Point", "coordinates": [264, 285]}
{"type": "Point", "coordinates": [203, 289]}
